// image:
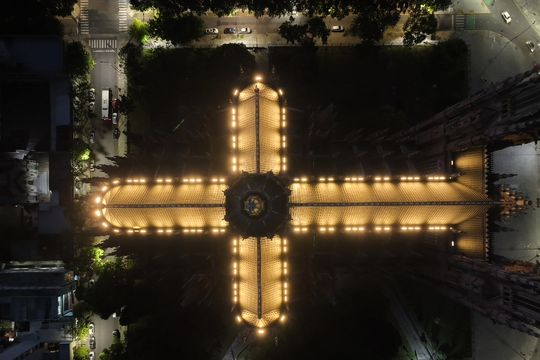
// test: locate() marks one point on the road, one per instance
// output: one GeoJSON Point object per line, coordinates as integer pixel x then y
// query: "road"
{"type": "Point", "coordinates": [104, 40]}
{"type": "Point", "coordinates": [103, 332]}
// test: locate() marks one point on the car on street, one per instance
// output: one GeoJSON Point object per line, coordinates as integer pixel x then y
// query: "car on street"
{"type": "Point", "coordinates": [115, 118]}
{"type": "Point", "coordinates": [92, 356]}
{"type": "Point", "coordinates": [92, 136]}
{"type": "Point", "coordinates": [116, 133]}
{"type": "Point", "coordinates": [92, 95]}
{"type": "Point", "coordinates": [92, 165]}
{"type": "Point", "coordinates": [91, 329]}
{"type": "Point", "coordinates": [211, 31]}
{"type": "Point", "coordinates": [337, 28]}
{"type": "Point", "coordinates": [92, 342]}
{"type": "Point", "coordinates": [506, 17]}
{"type": "Point", "coordinates": [91, 105]}
{"type": "Point", "coordinates": [116, 333]}
{"type": "Point", "coordinates": [229, 31]}
{"type": "Point", "coordinates": [245, 30]}
{"type": "Point", "coordinates": [530, 45]}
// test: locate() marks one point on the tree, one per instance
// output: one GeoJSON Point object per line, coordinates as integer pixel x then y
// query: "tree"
{"type": "Point", "coordinates": [78, 60]}
{"type": "Point", "coordinates": [81, 353]}
{"type": "Point", "coordinates": [419, 25]}
{"type": "Point", "coordinates": [371, 23]}
{"type": "Point", "coordinates": [138, 31]}
{"type": "Point", "coordinates": [291, 32]}
{"type": "Point", "coordinates": [179, 29]}
{"type": "Point", "coordinates": [117, 351]}
{"type": "Point", "coordinates": [317, 28]}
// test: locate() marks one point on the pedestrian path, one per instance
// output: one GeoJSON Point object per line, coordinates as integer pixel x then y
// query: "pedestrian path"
{"type": "Point", "coordinates": [84, 27]}
{"type": "Point", "coordinates": [459, 22]}
{"type": "Point", "coordinates": [103, 45]}
{"type": "Point", "coordinates": [122, 15]}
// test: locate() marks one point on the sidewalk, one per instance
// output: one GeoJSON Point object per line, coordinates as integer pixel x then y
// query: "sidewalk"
{"type": "Point", "coordinates": [531, 11]}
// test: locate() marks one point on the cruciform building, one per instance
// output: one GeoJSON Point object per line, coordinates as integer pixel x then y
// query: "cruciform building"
{"type": "Point", "coordinates": [263, 204]}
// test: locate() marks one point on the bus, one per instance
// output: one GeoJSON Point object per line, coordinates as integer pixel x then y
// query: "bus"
{"type": "Point", "coordinates": [105, 100]}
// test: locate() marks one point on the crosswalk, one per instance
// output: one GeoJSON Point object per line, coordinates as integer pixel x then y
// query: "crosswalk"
{"type": "Point", "coordinates": [122, 15]}
{"type": "Point", "coordinates": [459, 22]}
{"type": "Point", "coordinates": [83, 25]}
{"type": "Point", "coordinates": [102, 45]}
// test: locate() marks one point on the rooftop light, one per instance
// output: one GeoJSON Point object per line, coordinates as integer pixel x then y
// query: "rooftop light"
{"type": "Point", "coordinates": [159, 180]}
{"type": "Point", "coordinates": [116, 230]}
{"type": "Point", "coordinates": [98, 200]}
{"type": "Point", "coordinates": [104, 188]}
{"type": "Point", "coordinates": [235, 92]}
{"type": "Point", "coordinates": [260, 331]}
{"type": "Point", "coordinates": [280, 92]}
{"type": "Point", "coordinates": [104, 224]}
{"type": "Point", "coordinates": [115, 182]}
{"type": "Point", "coordinates": [258, 78]}
{"type": "Point", "coordinates": [98, 212]}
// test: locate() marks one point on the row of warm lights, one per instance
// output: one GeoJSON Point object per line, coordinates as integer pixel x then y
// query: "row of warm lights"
{"type": "Point", "coordinates": [354, 179]}
{"type": "Point", "coordinates": [283, 142]}
{"type": "Point", "coordinates": [233, 123]}
{"type": "Point", "coordinates": [284, 246]}
{"type": "Point", "coordinates": [164, 231]}
{"type": "Point", "coordinates": [284, 164]}
{"type": "Point", "coordinates": [375, 178]}
{"type": "Point", "coordinates": [331, 229]}
{"type": "Point", "coordinates": [285, 268]}
{"type": "Point", "coordinates": [234, 141]}
{"type": "Point", "coordinates": [437, 228]}
{"type": "Point", "coordinates": [324, 179]}
{"type": "Point", "coordinates": [163, 180]}
{"type": "Point", "coordinates": [136, 181]}
{"type": "Point", "coordinates": [410, 228]}
{"type": "Point", "coordinates": [327, 229]}
{"type": "Point", "coordinates": [285, 291]}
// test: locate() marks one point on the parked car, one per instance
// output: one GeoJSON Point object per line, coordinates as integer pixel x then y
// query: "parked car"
{"type": "Point", "coordinates": [92, 136]}
{"type": "Point", "coordinates": [506, 17]}
{"type": "Point", "coordinates": [116, 133]}
{"type": "Point", "coordinates": [530, 45]}
{"type": "Point", "coordinates": [91, 105]}
{"type": "Point", "coordinates": [92, 165]}
{"type": "Point", "coordinates": [211, 31]}
{"type": "Point", "coordinates": [92, 356]}
{"type": "Point", "coordinates": [116, 333]}
{"type": "Point", "coordinates": [115, 118]}
{"type": "Point", "coordinates": [229, 31]}
{"type": "Point", "coordinates": [337, 28]}
{"type": "Point", "coordinates": [92, 342]}
{"type": "Point", "coordinates": [92, 94]}
{"type": "Point", "coordinates": [91, 329]}
{"type": "Point", "coordinates": [115, 105]}
{"type": "Point", "coordinates": [245, 30]}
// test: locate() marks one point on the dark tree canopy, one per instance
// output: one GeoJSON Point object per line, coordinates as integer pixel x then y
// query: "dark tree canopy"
{"type": "Point", "coordinates": [179, 29]}
{"type": "Point", "coordinates": [419, 26]}
{"type": "Point", "coordinates": [293, 33]}
{"type": "Point", "coordinates": [34, 17]}
{"type": "Point", "coordinates": [77, 59]}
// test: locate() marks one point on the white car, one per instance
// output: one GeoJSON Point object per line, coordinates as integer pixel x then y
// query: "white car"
{"type": "Point", "coordinates": [506, 17]}
{"type": "Point", "coordinates": [530, 45]}
{"type": "Point", "coordinates": [91, 329]}
{"type": "Point", "coordinates": [92, 356]}
{"type": "Point", "coordinates": [245, 30]}
{"type": "Point", "coordinates": [115, 118]}
{"type": "Point", "coordinates": [211, 31]}
{"type": "Point", "coordinates": [337, 28]}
